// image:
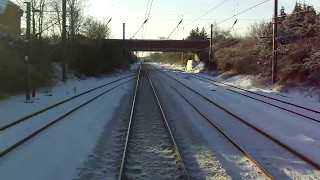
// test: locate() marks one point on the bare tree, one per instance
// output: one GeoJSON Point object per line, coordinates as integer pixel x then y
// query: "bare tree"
{"type": "Point", "coordinates": [76, 18]}
{"type": "Point", "coordinates": [47, 13]}
{"type": "Point", "coordinates": [95, 29]}
{"type": "Point", "coordinates": [259, 30]}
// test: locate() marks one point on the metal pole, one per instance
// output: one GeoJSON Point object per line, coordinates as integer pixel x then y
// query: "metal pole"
{"type": "Point", "coordinates": [33, 93]}
{"type": "Point", "coordinates": [211, 35]}
{"type": "Point", "coordinates": [64, 38]}
{"type": "Point", "coordinates": [33, 21]}
{"type": "Point", "coordinates": [182, 56]}
{"type": "Point", "coordinates": [124, 31]}
{"type": "Point", "coordinates": [275, 47]}
{"type": "Point", "coordinates": [123, 48]}
{"type": "Point", "coordinates": [27, 51]}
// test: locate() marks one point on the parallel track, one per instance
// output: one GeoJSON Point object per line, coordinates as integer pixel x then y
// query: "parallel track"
{"type": "Point", "coordinates": [38, 131]}
{"type": "Point", "coordinates": [219, 129]}
{"type": "Point", "coordinates": [57, 104]}
{"type": "Point", "coordinates": [298, 154]}
{"type": "Point", "coordinates": [166, 125]}
{"type": "Point", "coordinates": [221, 84]}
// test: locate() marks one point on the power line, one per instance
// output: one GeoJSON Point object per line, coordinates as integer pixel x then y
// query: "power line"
{"type": "Point", "coordinates": [147, 10]}
{"type": "Point", "coordinates": [175, 28]}
{"type": "Point", "coordinates": [49, 27]}
{"type": "Point", "coordinates": [139, 28]}
{"type": "Point", "coordinates": [175, 19]}
{"type": "Point", "coordinates": [240, 13]}
{"type": "Point", "coordinates": [207, 12]}
{"type": "Point", "coordinates": [145, 31]}
{"type": "Point", "coordinates": [243, 12]}
{"type": "Point", "coordinates": [232, 26]}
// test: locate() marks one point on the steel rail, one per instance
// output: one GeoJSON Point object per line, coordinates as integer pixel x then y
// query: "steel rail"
{"type": "Point", "coordinates": [124, 155]}
{"type": "Point", "coordinates": [275, 99]}
{"type": "Point", "coordinates": [220, 130]}
{"type": "Point", "coordinates": [165, 121]}
{"type": "Point", "coordinates": [298, 154]}
{"type": "Point", "coordinates": [57, 104]}
{"type": "Point", "coordinates": [11, 148]}
{"type": "Point", "coordinates": [277, 106]}
{"type": "Point", "coordinates": [121, 173]}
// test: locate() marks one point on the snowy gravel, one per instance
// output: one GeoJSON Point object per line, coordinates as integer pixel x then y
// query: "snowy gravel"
{"type": "Point", "coordinates": [210, 152]}
{"type": "Point", "coordinates": [150, 154]}
{"type": "Point", "coordinates": [293, 130]}
{"type": "Point", "coordinates": [60, 150]}
{"type": "Point", "coordinates": [262, 149]}
{"type": "Point", "coordinates": [105, 159]}
{"type": "Point", "coordinates": [258, 97]}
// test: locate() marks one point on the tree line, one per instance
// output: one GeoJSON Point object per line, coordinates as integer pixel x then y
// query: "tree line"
{"type": "Point", "coordinates": [298, 47]}
{"type": "Point", "coordinates": [87, 54]}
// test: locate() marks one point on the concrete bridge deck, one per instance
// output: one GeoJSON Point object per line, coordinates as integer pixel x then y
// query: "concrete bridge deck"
{"type": "Point", "coordinates": [161, 45]}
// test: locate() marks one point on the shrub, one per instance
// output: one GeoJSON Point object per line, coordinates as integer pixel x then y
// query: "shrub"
{"type": "Point", "coordinates": [298, 50]}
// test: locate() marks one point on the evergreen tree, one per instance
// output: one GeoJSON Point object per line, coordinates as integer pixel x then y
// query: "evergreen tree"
{"type": "Point", "coordinates": [196, 34]}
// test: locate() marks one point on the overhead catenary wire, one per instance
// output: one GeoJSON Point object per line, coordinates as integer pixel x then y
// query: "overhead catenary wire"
{"type": "Point", "coordinates": [109, 21]}
{"type": "Point", "coordinates": [206, 13]}
{"type": "Point", "coordinates": [298, 12]}
{"type": "Point", "coordinates": [147, 17]}
{"type": "Point", "coordinates": [243, 11]}
{"type": "Point", "coordinates": [140, 28]}
{"type": "Point", "coordinates": [175, 19]}
{"type": "Point", "coordinates": [175, 28]}
{"type": "Point", "coordinates": [147, 10]}
{"type": "Point", "coordinates": [48, 27]}
{"type": "Point", "coordinates": [235, 22]}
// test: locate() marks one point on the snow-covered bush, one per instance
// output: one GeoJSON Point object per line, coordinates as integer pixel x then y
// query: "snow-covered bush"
{"type": "Point", "coordinates": [298, 51]}
{"type": "Point", "coordinates": [12, 66]}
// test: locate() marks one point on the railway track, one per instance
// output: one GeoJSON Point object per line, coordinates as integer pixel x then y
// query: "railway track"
{"type": "Point", "coordinates": [3, 127]}
{"type": "Point", "coordinates": [150, 150]}
{"type": "Point", "coordinates": [296, 109]}
{"type": "Point", "coordinates": [20, 131]}
{"type": "Point", "coordinates": [291, 150]}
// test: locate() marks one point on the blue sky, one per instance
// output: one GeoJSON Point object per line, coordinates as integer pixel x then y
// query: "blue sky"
{"type": "Point", "coordinates": [165, 15]}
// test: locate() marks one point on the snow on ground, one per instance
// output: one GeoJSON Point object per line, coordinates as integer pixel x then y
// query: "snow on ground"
{"type": "Point", "coordinates": [61, 149]}
{"type": "Point", "coordinates": [57, 152]}
{"type": "Point", "coordinates": [299, 95]}
{"type": "Point", "coordinates": [213, 152]}
{"type": "Point", "coordinates": [10, 136]}
{"type": "Point", "coordinates": [14, 107]}
{"type": "Point", "coordinates": [170, 66]}
{"type": "Point", "coordinates": [304, 96]}
{"type": "Point", "coordinates": [297, 132]}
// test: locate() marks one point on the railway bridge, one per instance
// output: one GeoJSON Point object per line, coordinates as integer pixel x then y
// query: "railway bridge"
{"type": "Point", "coordinates": [161, 45]}
{"type": "Point", "coordinates": [200, 47]}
